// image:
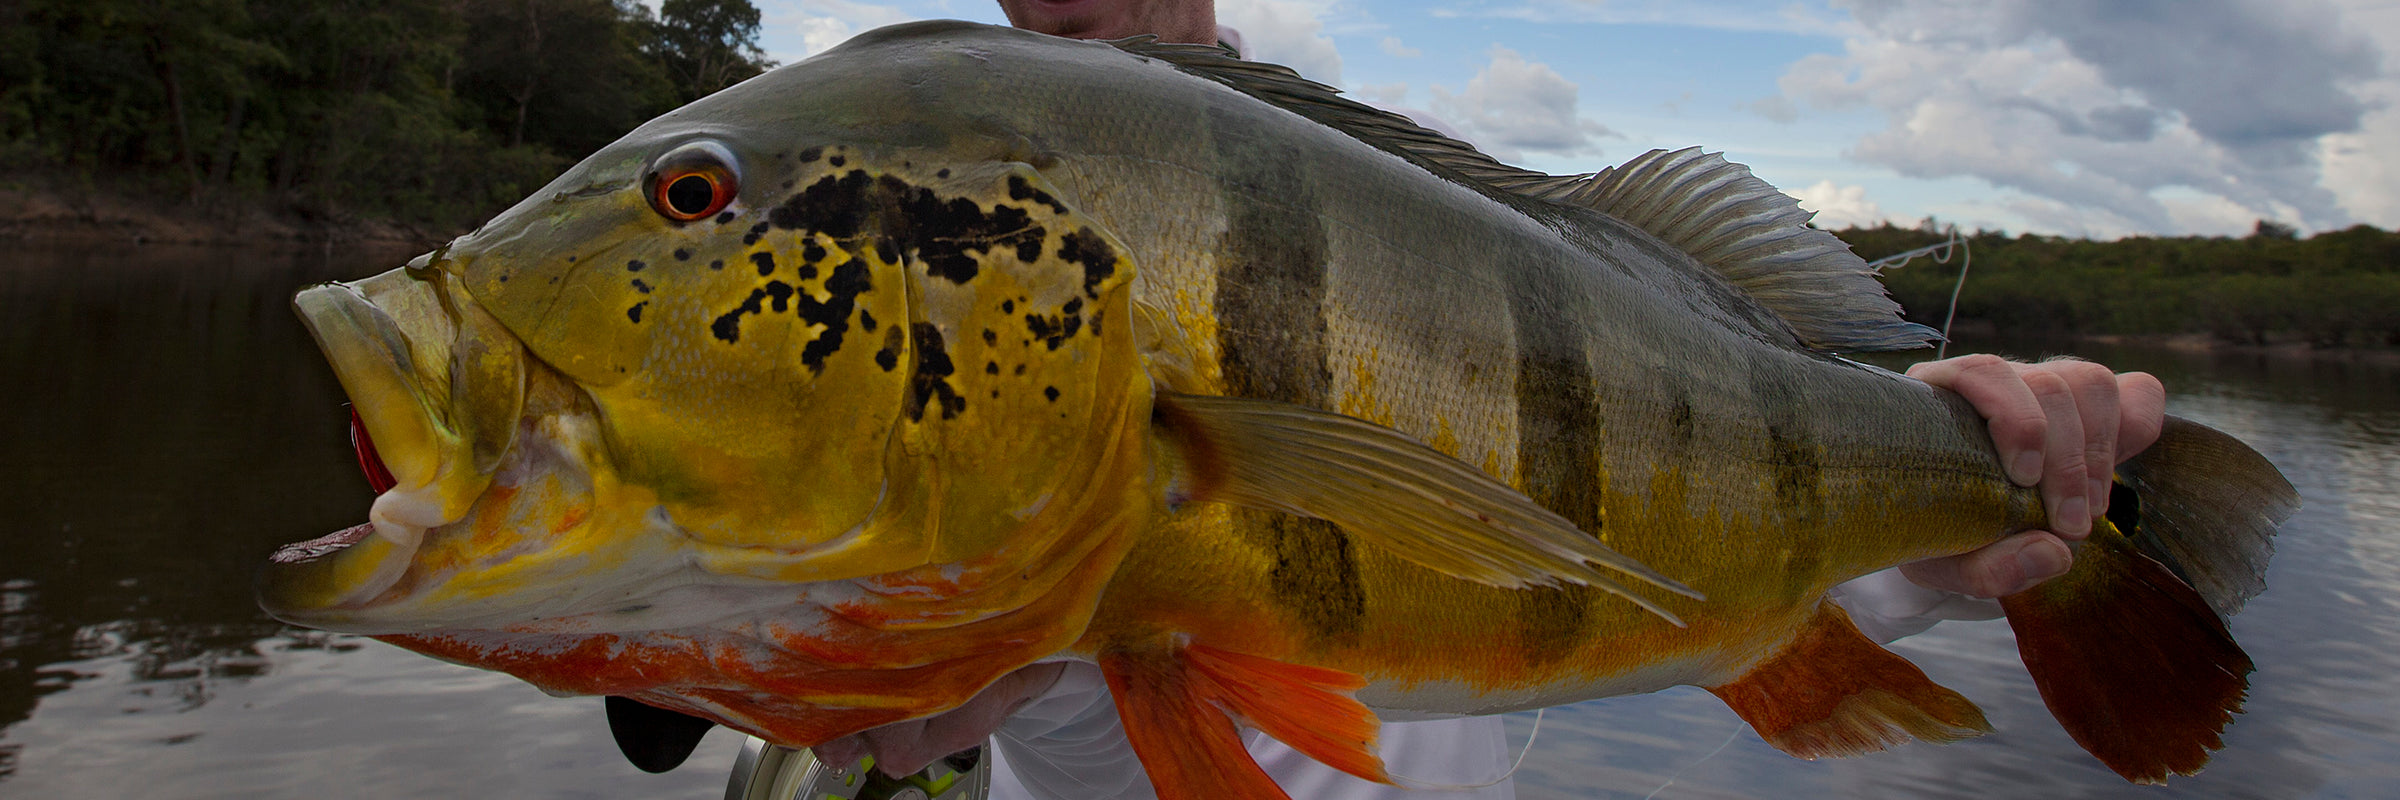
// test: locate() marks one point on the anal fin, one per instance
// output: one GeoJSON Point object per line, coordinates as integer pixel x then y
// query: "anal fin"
{"type": "Point", "coordinates": [1180, 705]}
{"type": "Point", "coordinates": [2131, 660]}
{"type": "Point", "coordinates": [1832, 692]}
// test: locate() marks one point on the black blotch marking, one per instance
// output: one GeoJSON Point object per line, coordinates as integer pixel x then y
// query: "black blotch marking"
{"type": "Point", "coordinates": [942, 173]}
{"type": "Point", "coordinates": [639, 286]}
{"type": "Point", "coordinates": [724, 217]}
{"type": "Point", "coordinates": [1052, 331]}
{"type": "Point", "coordinates": [1100, 260]}
{"type": "Point", "coordinates": [570, 259]}
{"type": "Point", "coordinates": [866, 321]}
{"type": "Point", "coordinates": [808, 272]}
{"type": "Point", "coordinates": [504, 277]}
{"type": "Point", "coordinates": [635, 313]}
{"type": "Point", "coordinates": [1020, 190]}
{"type": "Point", "coordinates": [1050, 392]}
{"type": "Point", "coordinates": [1008, 306]}
{"type": "Point", "coordinates": [836, 161]}
{"type": "Point", "coordinates": [682, 254]}
{"type": "Point", "coordinates": [756, 231]}
{"type": "Point", "coordinates": [765, 262]}
{"type": "Point", "coordinates": [946, 235]}
{"type": "Point", "coordinates": [635, 265]}
{"type": "Point", "coordinates": [717, 264]}
{"type": "Point", "coordinates": [1270, 303]}
{"type": "Point", "coordinates": [991, 368]}
{"type": "Point", "coordinates": [1679, 421]}
{"type": "Point", "coordinates": [1095, 322]}
{"type": "Point", "coordinates": [990, 339]}
{"type": "Point", "coordinates": [930, 381]}
{"type": "Point", "coordinates": [1020, 369]}
{"type": "Point", "coordinates": [809, 156]}
{"type": "Point", "coordinates": [1559, 439]}
{"type": "Point", "coordinates": [995, 394]}
{"type": "Point", "coordinates": [842, 289]}
{"type": "Point", "coordinates": [812, 253]}
{"type": "Point", "coordinates": [894, 340]}
{"type": "Point", "coordinates": [1799, 474]}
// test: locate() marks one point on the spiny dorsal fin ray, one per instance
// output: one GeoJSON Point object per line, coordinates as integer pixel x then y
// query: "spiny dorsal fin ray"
{"type": "Point", "coordinates": [1758, 238]}
{"type": "Point", "coordinates": [1715, 210]}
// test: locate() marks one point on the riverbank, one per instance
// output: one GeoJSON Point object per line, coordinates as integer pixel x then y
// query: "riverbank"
{"type": "Point", "coordinates": [1973, 332]}
{"type": "Point", "coordinates": [2284, 351]}
{"type": "Point", "coordinates": [32, 215]}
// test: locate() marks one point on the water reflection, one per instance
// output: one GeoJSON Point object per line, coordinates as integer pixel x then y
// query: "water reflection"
{"type": "Point", "coordinates": [166, 423]}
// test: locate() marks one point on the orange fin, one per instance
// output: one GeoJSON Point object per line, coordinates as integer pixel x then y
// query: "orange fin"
{"type": "Point", "coordinates": [2131, 660]}
{"type": "Point", "coordinates": [1832, 692]}
{"type": "Point", "coordinates": [1179, 707]}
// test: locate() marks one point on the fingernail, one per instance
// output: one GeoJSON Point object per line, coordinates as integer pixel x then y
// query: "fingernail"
{"type": "Point", "coordinates": [2099, 495]}
{"type": "Point", "coordinates": [2074, 517]}
{"type": "Point", "coordinates": [2027, 469]}
{"type": "Point", "coordinates": [2034, 568]}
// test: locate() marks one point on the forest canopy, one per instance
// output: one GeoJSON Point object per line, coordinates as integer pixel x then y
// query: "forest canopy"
{"type": "Point", "coordinates": [2333, 289]}
{"type": "Point", "coordinates": [442, 112]}
{"type": "Point", "coordinates": [438, 111]}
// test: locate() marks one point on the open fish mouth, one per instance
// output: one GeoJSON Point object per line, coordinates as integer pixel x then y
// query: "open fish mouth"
{"type": "Point", "coordinates": [436, 388]}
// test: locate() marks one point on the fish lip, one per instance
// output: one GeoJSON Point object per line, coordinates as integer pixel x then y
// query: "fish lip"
{"type": "Point", "coordinates": [315, 582]}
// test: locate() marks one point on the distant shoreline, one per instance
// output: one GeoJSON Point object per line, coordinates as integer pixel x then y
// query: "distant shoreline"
{"type": "Point", "coordinates": [99, 216]}
{"type": "Point", "coordinates": [1974, 330]}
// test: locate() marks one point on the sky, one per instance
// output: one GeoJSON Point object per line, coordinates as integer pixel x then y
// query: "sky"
{"type": "Point", "coordinates": [2061, 117]}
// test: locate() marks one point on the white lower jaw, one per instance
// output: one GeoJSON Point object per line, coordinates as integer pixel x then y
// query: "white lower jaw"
{"type": "Point", "coordinates": [402, 516]}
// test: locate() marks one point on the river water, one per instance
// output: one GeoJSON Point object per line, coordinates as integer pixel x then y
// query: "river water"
{"type": "Point", "coordinates": [165, 423]}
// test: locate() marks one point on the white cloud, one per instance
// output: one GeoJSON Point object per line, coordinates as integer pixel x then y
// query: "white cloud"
{"type": "Point", "coordinates": [821, 24]}
{"type": "Point", "coordinates": [2106, 113]}
{"type": "Point", "coordinates": [2362, 169]}
{"type": "Point", "coordinates": [1840, 206]}
{"type": "Point", "coordinates": [1778, 16]}
{"type": "Point", "coordinates": [1514, 106]}
{"type": "Point", "coordinates": [1287, 32]}
{"type": "Point", "coordinates": [1392, 47]}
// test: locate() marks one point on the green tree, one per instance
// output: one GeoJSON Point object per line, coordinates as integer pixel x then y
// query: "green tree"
{"type": "Point", "coordinates": [566, 74]}
{"type": "Point", "coordinates": [707, 45]}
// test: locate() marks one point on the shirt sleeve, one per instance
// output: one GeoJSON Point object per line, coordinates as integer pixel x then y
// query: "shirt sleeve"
{"type": "Point", "coordinates": [1887, 605]}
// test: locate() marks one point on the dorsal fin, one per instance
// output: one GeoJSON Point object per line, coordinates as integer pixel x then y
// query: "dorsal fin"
{"type": "Point", "coordinates": [1756, 237]}
{"type": "Point", "coordinates": [1748, 232]}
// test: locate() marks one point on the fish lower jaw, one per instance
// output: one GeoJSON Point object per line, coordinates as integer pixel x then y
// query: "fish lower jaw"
{"type": "Point", "coordinates": [402, 516]}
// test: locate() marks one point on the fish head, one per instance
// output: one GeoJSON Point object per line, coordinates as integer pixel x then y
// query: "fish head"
{"type": "Point", "coordinates": [743, 360]}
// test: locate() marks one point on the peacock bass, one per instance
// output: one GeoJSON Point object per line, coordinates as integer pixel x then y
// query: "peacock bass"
{"type": "Point", "coordinates": [822, 402]}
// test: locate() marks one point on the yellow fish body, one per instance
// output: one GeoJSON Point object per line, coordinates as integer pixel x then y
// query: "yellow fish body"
{"type": "Point", "coordinates": [822, 402]}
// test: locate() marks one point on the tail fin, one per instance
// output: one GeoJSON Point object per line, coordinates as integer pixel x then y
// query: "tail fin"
{"type": "Point", "coordinates": [2128, 649]}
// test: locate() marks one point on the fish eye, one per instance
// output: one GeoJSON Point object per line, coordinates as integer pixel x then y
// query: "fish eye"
{"type": "Point", "coordinates": [693, 181]}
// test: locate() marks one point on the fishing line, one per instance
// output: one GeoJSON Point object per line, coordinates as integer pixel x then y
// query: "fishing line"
{"type": "Point", "coordinates": [1737, 731]}
{"type": "Point", "coordinates": [1955, 245]}
{"type": "Point", "coordinates": [1411, 783]}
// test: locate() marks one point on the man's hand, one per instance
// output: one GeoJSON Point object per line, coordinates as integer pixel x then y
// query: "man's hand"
{"type": "Point", "coordinates": [2062, 425]}
{"type": "Point", "coordinates": [902, 748]}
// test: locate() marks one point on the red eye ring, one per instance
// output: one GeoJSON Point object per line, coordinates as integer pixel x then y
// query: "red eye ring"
{"type": "Point", "coordinates": [693, 182]}
{"type": "Point", "coordinates": [692, 192]}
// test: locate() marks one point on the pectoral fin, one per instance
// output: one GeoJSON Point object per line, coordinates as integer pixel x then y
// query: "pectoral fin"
{"type": "Point", "coordinates": [1832, 692]}
{"type": "Point", "coordinates": [1179, 706]}
{"type": "Point", "coordinates": [1387, 489]}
